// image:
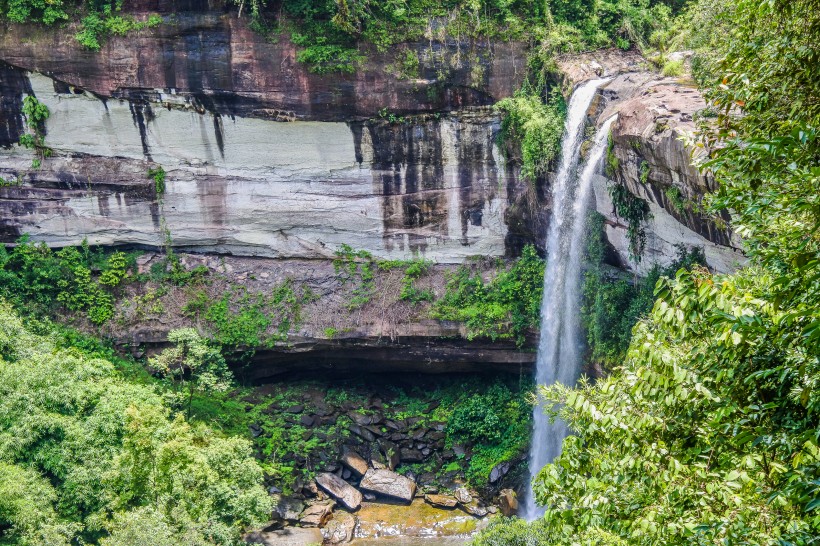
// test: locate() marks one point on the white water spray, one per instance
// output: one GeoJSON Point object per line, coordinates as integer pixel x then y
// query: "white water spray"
{"type": "Point", "coordinates": [559, 356]}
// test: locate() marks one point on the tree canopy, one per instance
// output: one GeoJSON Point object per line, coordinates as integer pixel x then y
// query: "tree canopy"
{"type": "Point", "coordinates": [88, 456]}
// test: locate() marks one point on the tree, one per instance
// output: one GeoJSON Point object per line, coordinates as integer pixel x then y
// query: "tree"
{"type": "Point", "coordinates": [193, 365]}
{"type": "Point", "coordinates": [88, 457]}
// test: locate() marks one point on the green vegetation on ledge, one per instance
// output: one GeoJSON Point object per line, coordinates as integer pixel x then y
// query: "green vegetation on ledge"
{"type": "Point", "coordinates": [506, 306]}
{"type": "Point", "coordinates": [612, 304]}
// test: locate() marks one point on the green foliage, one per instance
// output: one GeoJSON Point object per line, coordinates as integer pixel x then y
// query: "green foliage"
{"type": "Point", "coordinates": [675, 197]}
{"type": "Point", "coordinates": [612, 304]}
{"type": "Point", "coordinates": [37, 11]}
{"type": "Point", "coordinates": [192, 365]}
{"type": "Point", "coordinates": [673, 68]}
{"type": "Point", "coordinates": [644, 172]}
{"type": "Point", "coordinates": [6, 183]}
{"type": "Point", "coordinates": [708, 432]}
{"type": "Point", "coordinates": [87, 457]}
{"type": "Point", "coordinates": [37, 279]}
{"type": "Point", "coordinates": [635, 211]}
{"type": "Point", "coordinates": [334, 35]}
{"type": "Point", "coordinates": [517, 532]}
{"type": "Point", "coordinates": [98, 17]}
{"type": "Point", "coordinates": [612, 164]}
{"type": "Point", "coordinates": [505, 307]}
{"type": "Point", "coordinates": [101, 22]}
{"type": "Point", "coordinates": [36, 114]}
{"type": "Point", "coordinates": [158, 176]}
{"type": "Point", "coordinates": [535, 127]}
{"type": "Point", "coordinates": [360, 266]}
{"type": "Point", "coordinates": [356, 265]}
{"type": "Point", "coordinates": [172, 271]}
{"type": "Point", "coordinates": [242, 320]}
{"type": "Point", "coordinates": [496, 423]}
{"type": "Point", "coordinates": [414, 270]}
{"type": "Point", "coordinates": [408, 64]}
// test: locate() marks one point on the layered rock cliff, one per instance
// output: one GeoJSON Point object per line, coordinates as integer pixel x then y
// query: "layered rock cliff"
{"type": "Point", "coordinates": [265, 159]}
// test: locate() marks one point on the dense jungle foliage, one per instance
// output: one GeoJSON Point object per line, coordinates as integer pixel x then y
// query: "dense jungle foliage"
{"type": "Point", "coordinates": [87, 456]}
{"type": "Point", "coordinates": [708, 432]}
{"type": "Point", "coordinates": [335, 35]}
{"type": "Point", "coordinates": [705, 431]}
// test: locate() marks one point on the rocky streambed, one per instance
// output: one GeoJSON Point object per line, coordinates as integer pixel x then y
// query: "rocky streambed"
{"type": "Point", "coordinates": [380, 459]}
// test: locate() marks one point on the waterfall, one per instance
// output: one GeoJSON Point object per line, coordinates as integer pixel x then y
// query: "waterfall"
{"type": "Point", "coordinates": [559, 356]}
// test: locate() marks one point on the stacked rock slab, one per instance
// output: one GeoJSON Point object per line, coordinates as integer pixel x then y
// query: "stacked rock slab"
{"type": "Point", "coordinates": [390, 484]}
{"type": "Point", "coordinates": [340, 490]}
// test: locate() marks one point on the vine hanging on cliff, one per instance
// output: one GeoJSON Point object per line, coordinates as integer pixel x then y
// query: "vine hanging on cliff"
{"type": "Point", "coordinates": [635, 211]}
{"type": "Point", "coordinates": [36, 114]}
{"type": "Point", "coordinates": [627, 205]}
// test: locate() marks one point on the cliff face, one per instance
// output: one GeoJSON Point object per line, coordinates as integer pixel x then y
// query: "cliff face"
{"type": "Point", "coordinates": [435, 185]}
{"type": "Point", "coordinates": [205, 58]}
{"type": "Point", "coordinates": [394, 165]}
{"type": "Point", "coordinates": [650, 158]}
{"type": "Point", "coordinates": [655, 164]}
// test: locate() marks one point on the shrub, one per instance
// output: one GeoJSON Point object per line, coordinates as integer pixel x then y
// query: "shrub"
{"type": "Point", "coordinates": [673, 68]}
{"type": "Point", "coordinates": [536, 128]}
{"type": "Point", "coordinates": [37, 279]}
{"type": "Point", "coordinates": [506, 307]}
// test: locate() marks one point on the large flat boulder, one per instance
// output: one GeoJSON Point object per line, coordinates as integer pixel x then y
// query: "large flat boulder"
{"type": "Point", "coordinates": [339, 489]}
{"type": "Point", "coordinates": [441, 501]}
{"type": "Point", "coordinates": [390, 484]}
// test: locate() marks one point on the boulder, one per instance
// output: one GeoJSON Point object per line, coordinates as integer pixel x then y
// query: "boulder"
{"type": "Point", "coordinates": [391, 453]}
{"type": "Point", "coordinates": [353, 461]}
{"type": "Point", "coordinates": [362, 433]}
{"type": "Point", "coordinates": [508, 502]}
{"type": "Point", "coordinates": [340, 529]}
{"type": "Point", "coordinates": [463, 496]}
{"type": "Point", "coordinates": [411, 456]}
{"type": "Point", "coordinates": [499, 471]}
{"type": "Point", "coordinates": [287, 508]}
{"type": "Point", "coordinates": [317, 515]}
{"type": "Point", "coordinates": [292, 536]}
{"type": "Point", "coordinates": [475, 509]}
{"type": "Point", "coordinates": [340, 490]}
{"type": "Point", "coordinates": [389, 484]}
{"type": "Point", "coordinates": [360, 419]}
{"type": "Point", "coordinates": [441, 501]}
{"type": "Point", "coordinates": [307, 420]}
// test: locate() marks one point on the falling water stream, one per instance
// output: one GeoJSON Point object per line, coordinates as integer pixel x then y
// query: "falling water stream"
{"type": "Point", "coordinates": [559, 355]}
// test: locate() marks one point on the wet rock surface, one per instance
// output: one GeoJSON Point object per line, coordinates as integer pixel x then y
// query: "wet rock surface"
{"type": "Point", "coordinates": [292, 536]}
{"type": "Point", "coordinates": [316, 514]}
{"type": "Point", "coordinates": [379, 521]}
{"type": "Point", "coordinates": [340, 529]}
{"type": "Point", "coordinates": [508, 502]}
